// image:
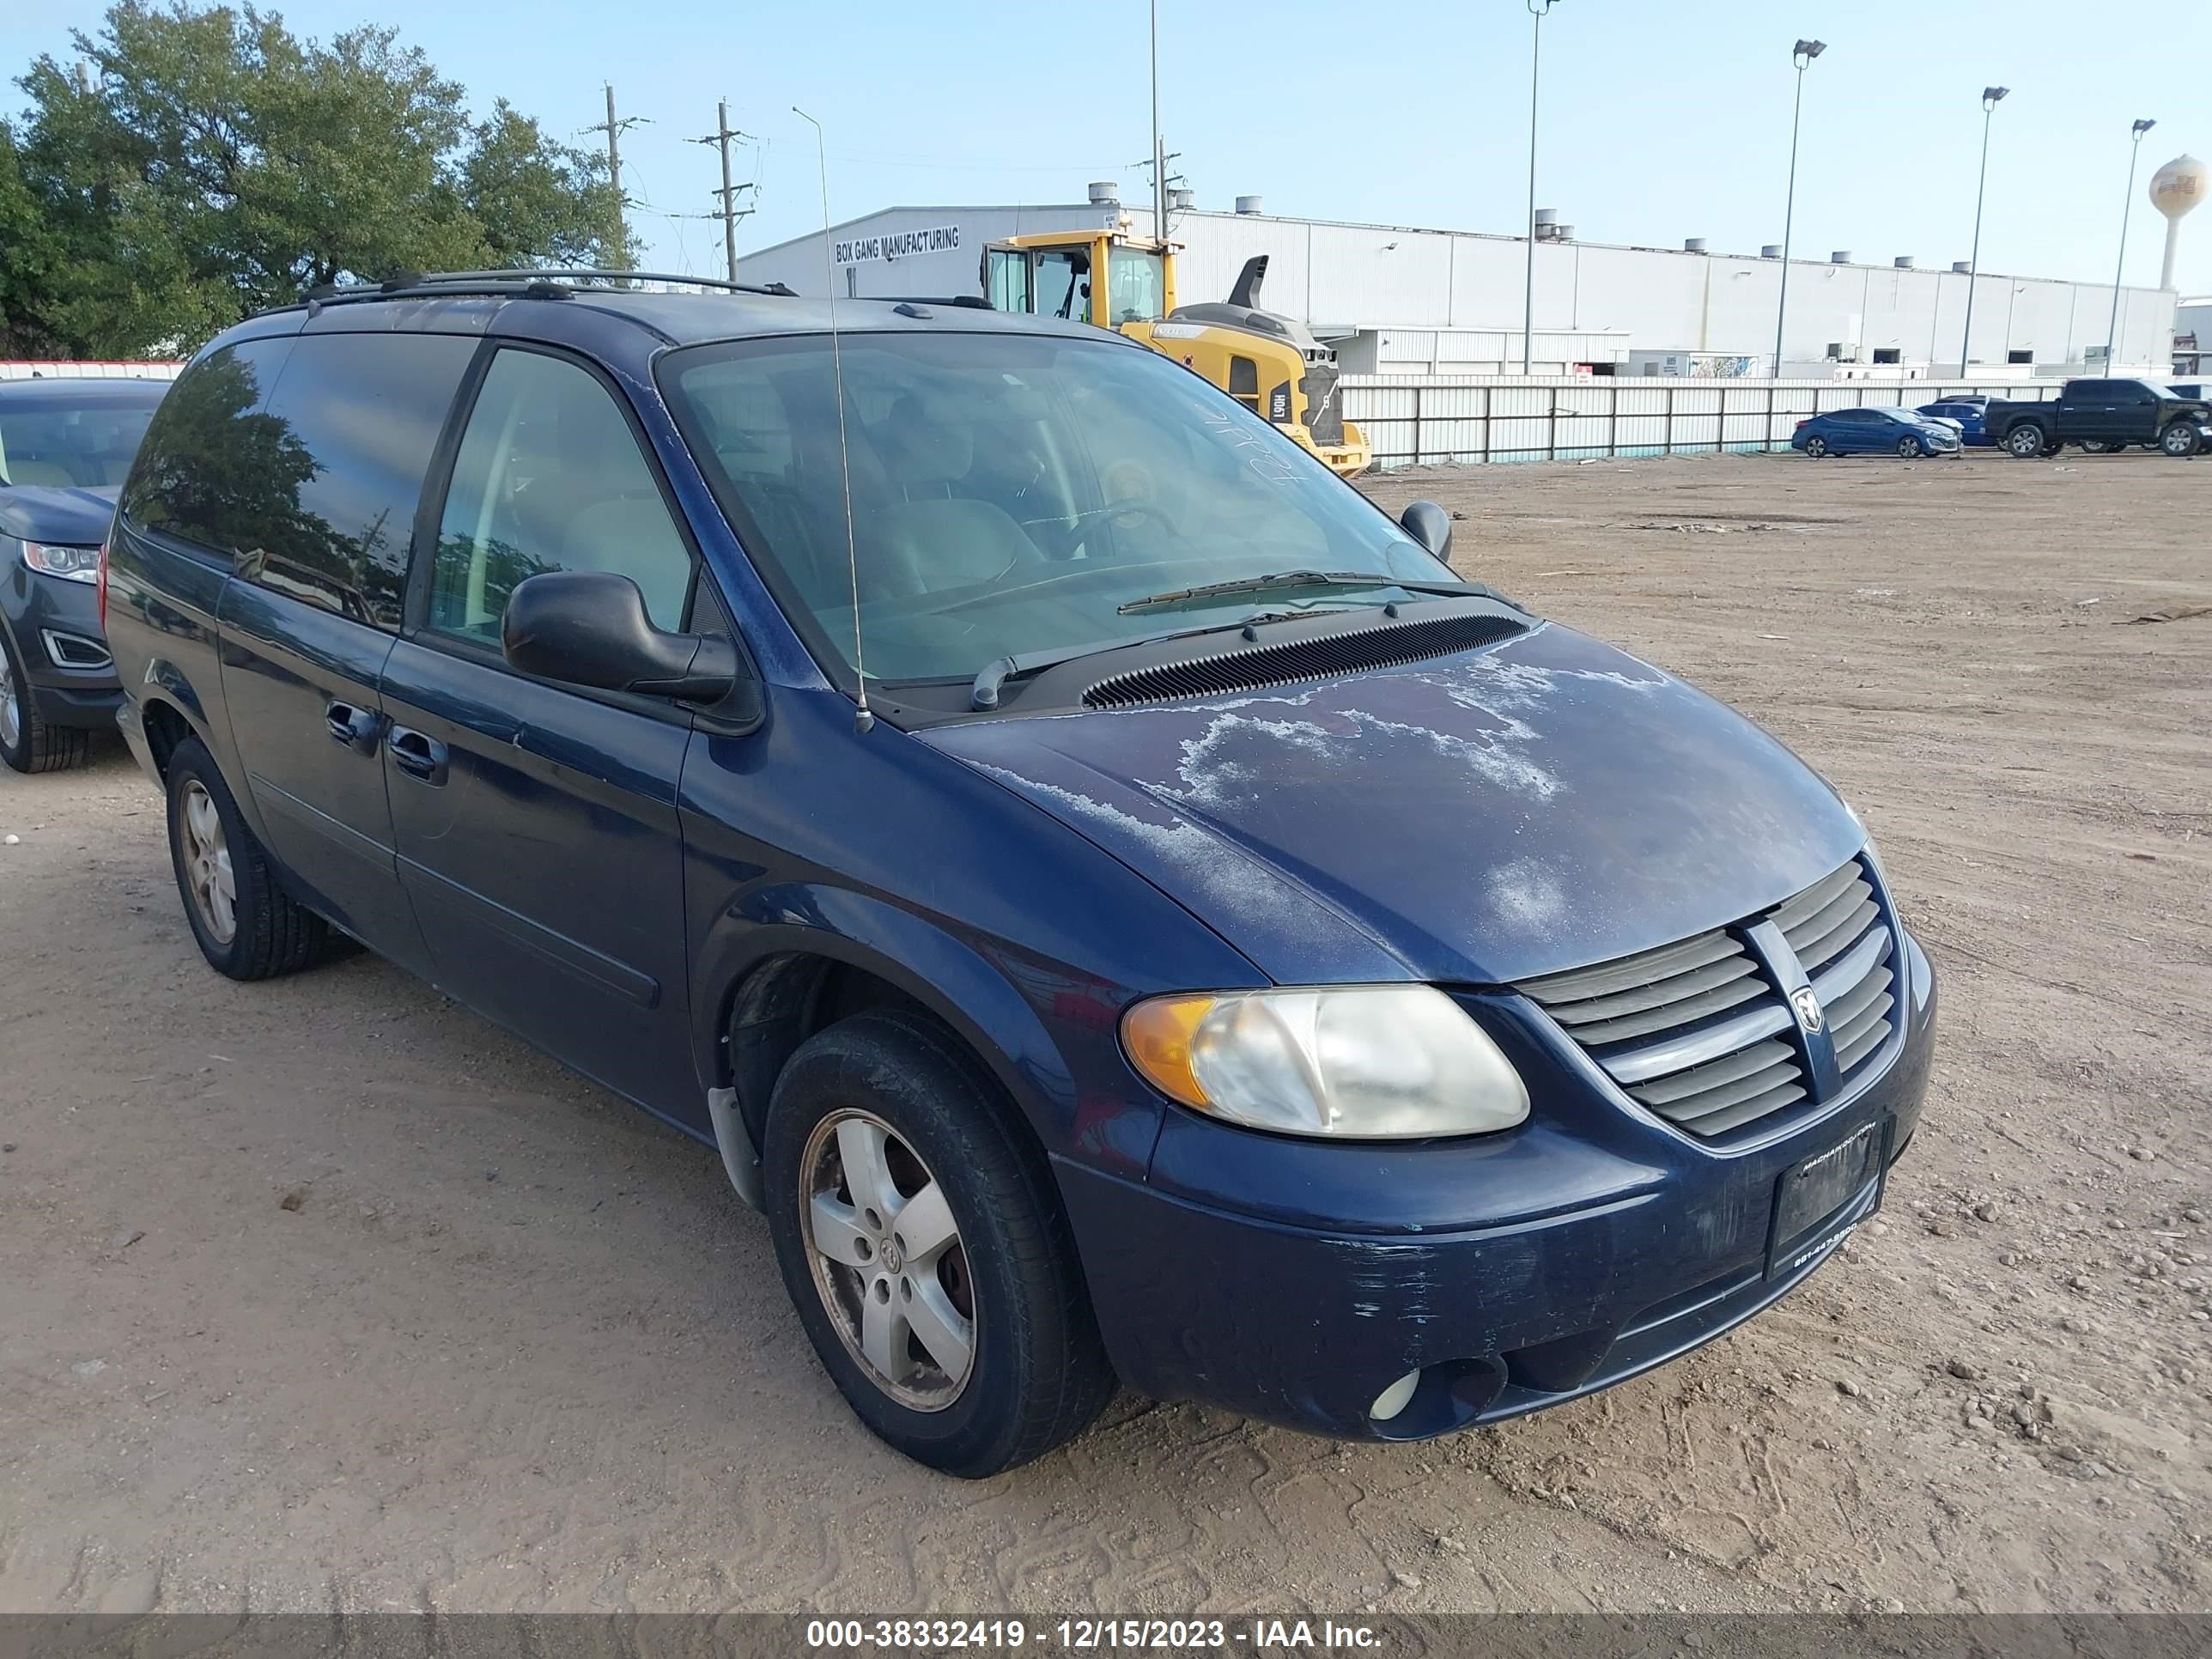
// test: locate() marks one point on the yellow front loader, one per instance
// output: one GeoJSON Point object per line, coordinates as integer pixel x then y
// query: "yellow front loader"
{"type": "Point", "coordinates": [1270, 363]}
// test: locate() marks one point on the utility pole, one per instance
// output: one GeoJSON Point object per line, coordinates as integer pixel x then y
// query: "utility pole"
{"type": "Point", "coordinates": [614, 129]}
{"type": "Point", "coordinates": [1159, 156]}
{"type": "Point", "coordinates": [727, 196]}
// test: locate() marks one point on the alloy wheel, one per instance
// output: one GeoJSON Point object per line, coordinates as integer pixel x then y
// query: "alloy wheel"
{"type": "Point", "coordinates": [888, 1259]}
{"type": "Point", "coordinates": [1908, 447]}
{"type": "Point", "coordinates": [1816, 447]}
{"type": "Point", "coordinates": [207, 863]}
{"type": "Point", "coordinates": [11, 705]}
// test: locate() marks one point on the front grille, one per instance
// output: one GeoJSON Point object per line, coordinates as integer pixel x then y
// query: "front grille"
{"type": "Point", "coordinates": [1699, 1032]}
{"type": "Point", "coordinates": [1256, 667]}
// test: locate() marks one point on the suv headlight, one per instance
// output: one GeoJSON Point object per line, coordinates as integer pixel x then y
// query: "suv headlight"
{"type": "Point", "coordinates": [1363, 1062]}
{"type": "Point", "coordinates": [75, 564]}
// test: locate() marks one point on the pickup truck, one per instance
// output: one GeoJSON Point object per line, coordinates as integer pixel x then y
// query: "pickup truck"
{"type": "Point", "coordinates": [2102, 416]}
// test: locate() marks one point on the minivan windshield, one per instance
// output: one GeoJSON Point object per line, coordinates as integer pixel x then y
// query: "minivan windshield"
{"type": "Point", "coordinates": [1014, 494]}
{"type": "Point", "coordinates": [71, 444]}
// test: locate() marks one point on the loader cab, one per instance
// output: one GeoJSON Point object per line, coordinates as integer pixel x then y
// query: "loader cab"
{"type": "Point", "coordinates": [1105, 277]}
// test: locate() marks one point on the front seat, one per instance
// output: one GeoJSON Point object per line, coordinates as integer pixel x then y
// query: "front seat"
{"type": "Point", "coordinates": [934, 539]}
{"type": "Point", "coordinates": [923, 547]}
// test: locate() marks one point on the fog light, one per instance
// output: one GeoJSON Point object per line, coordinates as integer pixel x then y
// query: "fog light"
{"type": "Point", "coordinates": [1395, 1398]}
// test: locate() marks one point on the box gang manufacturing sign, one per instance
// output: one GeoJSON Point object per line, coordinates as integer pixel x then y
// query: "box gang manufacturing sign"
{"type": "Point", "coordinates": [937, 238]}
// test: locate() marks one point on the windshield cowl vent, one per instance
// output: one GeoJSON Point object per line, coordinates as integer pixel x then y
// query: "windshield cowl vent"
{"type": "Point", "coordinates": [1257, 667]}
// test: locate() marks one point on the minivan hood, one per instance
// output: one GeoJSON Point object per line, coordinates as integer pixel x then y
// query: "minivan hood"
{"type": "Point", "coordinates": [65, 517]}
{"type": "Point", "coordinates": [1543, 804]}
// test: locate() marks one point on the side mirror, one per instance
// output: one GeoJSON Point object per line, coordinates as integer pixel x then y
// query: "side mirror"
{"type": "Point", "coordinates": [590, 627]}
{"type": "Point", "coordinates": [1429, 525]}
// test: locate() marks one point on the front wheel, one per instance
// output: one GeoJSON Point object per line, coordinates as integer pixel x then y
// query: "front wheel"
{"type": "Point", "coordinates": [2025, 443]}
{"type": "Point", "coordinates": [922, 1242]}
{"type": "Point", "coordinates": [27, 742]}
{"type": "Point", "coordinates": [1816, 447]}
{"type": "Point", "coordinates": [1909, 448]}
{"type": "Point", "coordinates": [2181, 440]}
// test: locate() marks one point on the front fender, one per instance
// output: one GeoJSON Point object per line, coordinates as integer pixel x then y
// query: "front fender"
{"type": "Point", "coordinates": [1020, 1014]}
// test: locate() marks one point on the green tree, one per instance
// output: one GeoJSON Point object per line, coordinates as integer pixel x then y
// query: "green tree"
{"type": "Point", "coordinates": [216, 164]}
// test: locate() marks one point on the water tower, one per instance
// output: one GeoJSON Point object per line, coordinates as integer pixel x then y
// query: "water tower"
{"type": "Point", "coordinates": [2175, 189]}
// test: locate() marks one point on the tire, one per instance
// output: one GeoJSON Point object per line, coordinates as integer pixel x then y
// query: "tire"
{"type": "Point", "coordinates": [922, 1113]}
{"type": "Point", "coordinates": [2099, 447]}
{"type": "Point", "coordinates": [2026, 442]}
{"type": "Point", "coordinates": [2180, 440]}
{"type": "Point", "coordinates": [209, 845]}
{"type": "Point", "coordinates": [1816, 447]}
{"type": "Point", "coordinates": [28, 743]}
{"type": "Point", "coordinates": [1909, 449]}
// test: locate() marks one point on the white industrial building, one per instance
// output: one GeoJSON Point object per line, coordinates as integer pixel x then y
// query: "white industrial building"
{"type": "Point", "coordinates": [1398, 300]}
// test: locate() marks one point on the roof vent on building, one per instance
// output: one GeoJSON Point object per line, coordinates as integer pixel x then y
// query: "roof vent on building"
{"type": "Point", "coordinates": [1182, 200]}
{"type": "Point", "coordinates": [1904, 262]}
{"type": "Point", "coordinates": [1105, 192]}
{"type": "Point", "coordinates": [1842, 256]}
{"type": "Point", "coordinates": [1250, 204]}
{"type": "Point", "coordinates": [1963, 267]}
{"type": "Point", "coordinates": [1694, 245]}
{"type": "Point", "coordinates": [1772, 250]}
{"type": "Point", "coordinates": [1562, 233]}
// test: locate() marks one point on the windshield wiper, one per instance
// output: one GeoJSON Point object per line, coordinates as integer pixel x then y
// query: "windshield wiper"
{"type": "Point", "coordinates": [1294, 579]}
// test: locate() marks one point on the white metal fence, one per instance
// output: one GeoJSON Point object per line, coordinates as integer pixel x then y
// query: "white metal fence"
{"type": "Point", "coordinates": [1422, 420]}
{"type": "Point", "coordinates": [16, 368]}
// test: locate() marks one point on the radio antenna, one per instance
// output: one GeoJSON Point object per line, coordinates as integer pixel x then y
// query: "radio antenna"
{"type": "Point", "coordinates": [863, 717]}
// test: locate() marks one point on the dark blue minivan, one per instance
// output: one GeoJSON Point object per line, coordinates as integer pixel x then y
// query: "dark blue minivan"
{"type": "Point", "coordinates": [1121, 906]}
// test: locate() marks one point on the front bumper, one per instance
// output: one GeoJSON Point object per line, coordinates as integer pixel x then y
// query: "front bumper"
{"type": "Point", "coordinates": [1515, 1271]}
{"type": "Point", "coordinates": [54, 625]}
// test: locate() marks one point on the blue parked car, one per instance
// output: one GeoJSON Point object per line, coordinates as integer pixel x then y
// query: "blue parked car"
{"type": "Point", "coordinates": [65, 443]}
{"type": "Point", "coordinates": [1171, 931]}
{"type": "Point", "coordinates": [1967, 412]}
{"type": "Point", "coordinates": [1873, 430]}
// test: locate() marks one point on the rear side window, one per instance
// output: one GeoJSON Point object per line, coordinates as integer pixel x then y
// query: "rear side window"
{"type": "Point", "coordinates": [363, 411]}
{"type": "Point", "coordinates": [214, 468]}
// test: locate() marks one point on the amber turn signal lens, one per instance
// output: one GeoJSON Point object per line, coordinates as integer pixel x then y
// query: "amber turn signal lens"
{"type": "Point", "coordinates": [1157, 1034]}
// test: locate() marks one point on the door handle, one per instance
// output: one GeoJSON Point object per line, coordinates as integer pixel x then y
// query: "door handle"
{"type": "Point", "coordinates": [355, 727]}
{"type": "Point", "coordinates": [419, 755]}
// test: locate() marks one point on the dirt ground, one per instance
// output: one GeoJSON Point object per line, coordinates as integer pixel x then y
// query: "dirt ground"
{"type": "Point", "coordinates": [326, 1294]}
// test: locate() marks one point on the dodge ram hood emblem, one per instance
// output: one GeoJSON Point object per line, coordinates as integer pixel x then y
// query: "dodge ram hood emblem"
{"type": "Point", "coordinates": [1807, 1004]}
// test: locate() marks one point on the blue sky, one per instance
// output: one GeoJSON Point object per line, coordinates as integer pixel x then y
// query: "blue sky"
{"type": "Point", "coordinates": [1661, 118]}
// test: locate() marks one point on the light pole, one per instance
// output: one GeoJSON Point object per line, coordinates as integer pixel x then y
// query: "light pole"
{"type": "Point", "coordinates": [1537, 8]}
{"type": "Point", "coordinates": [2135, 153]}
{"type": "Point", "coordinates": [1991, 97]}
{"type": "Point", "coordinates": [1800, 54]}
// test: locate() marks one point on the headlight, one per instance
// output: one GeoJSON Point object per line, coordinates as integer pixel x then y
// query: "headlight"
{"type": "Point", "coordinates": [75, 564]}
{"type": "Point", "coordinates": [1374, 1062]}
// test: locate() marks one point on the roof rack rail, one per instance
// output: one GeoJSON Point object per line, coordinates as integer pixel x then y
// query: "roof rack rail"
{"type": "Point", "coordinates": [972, 301]}
{"type": "Point", "coordinates": [536, 282]}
